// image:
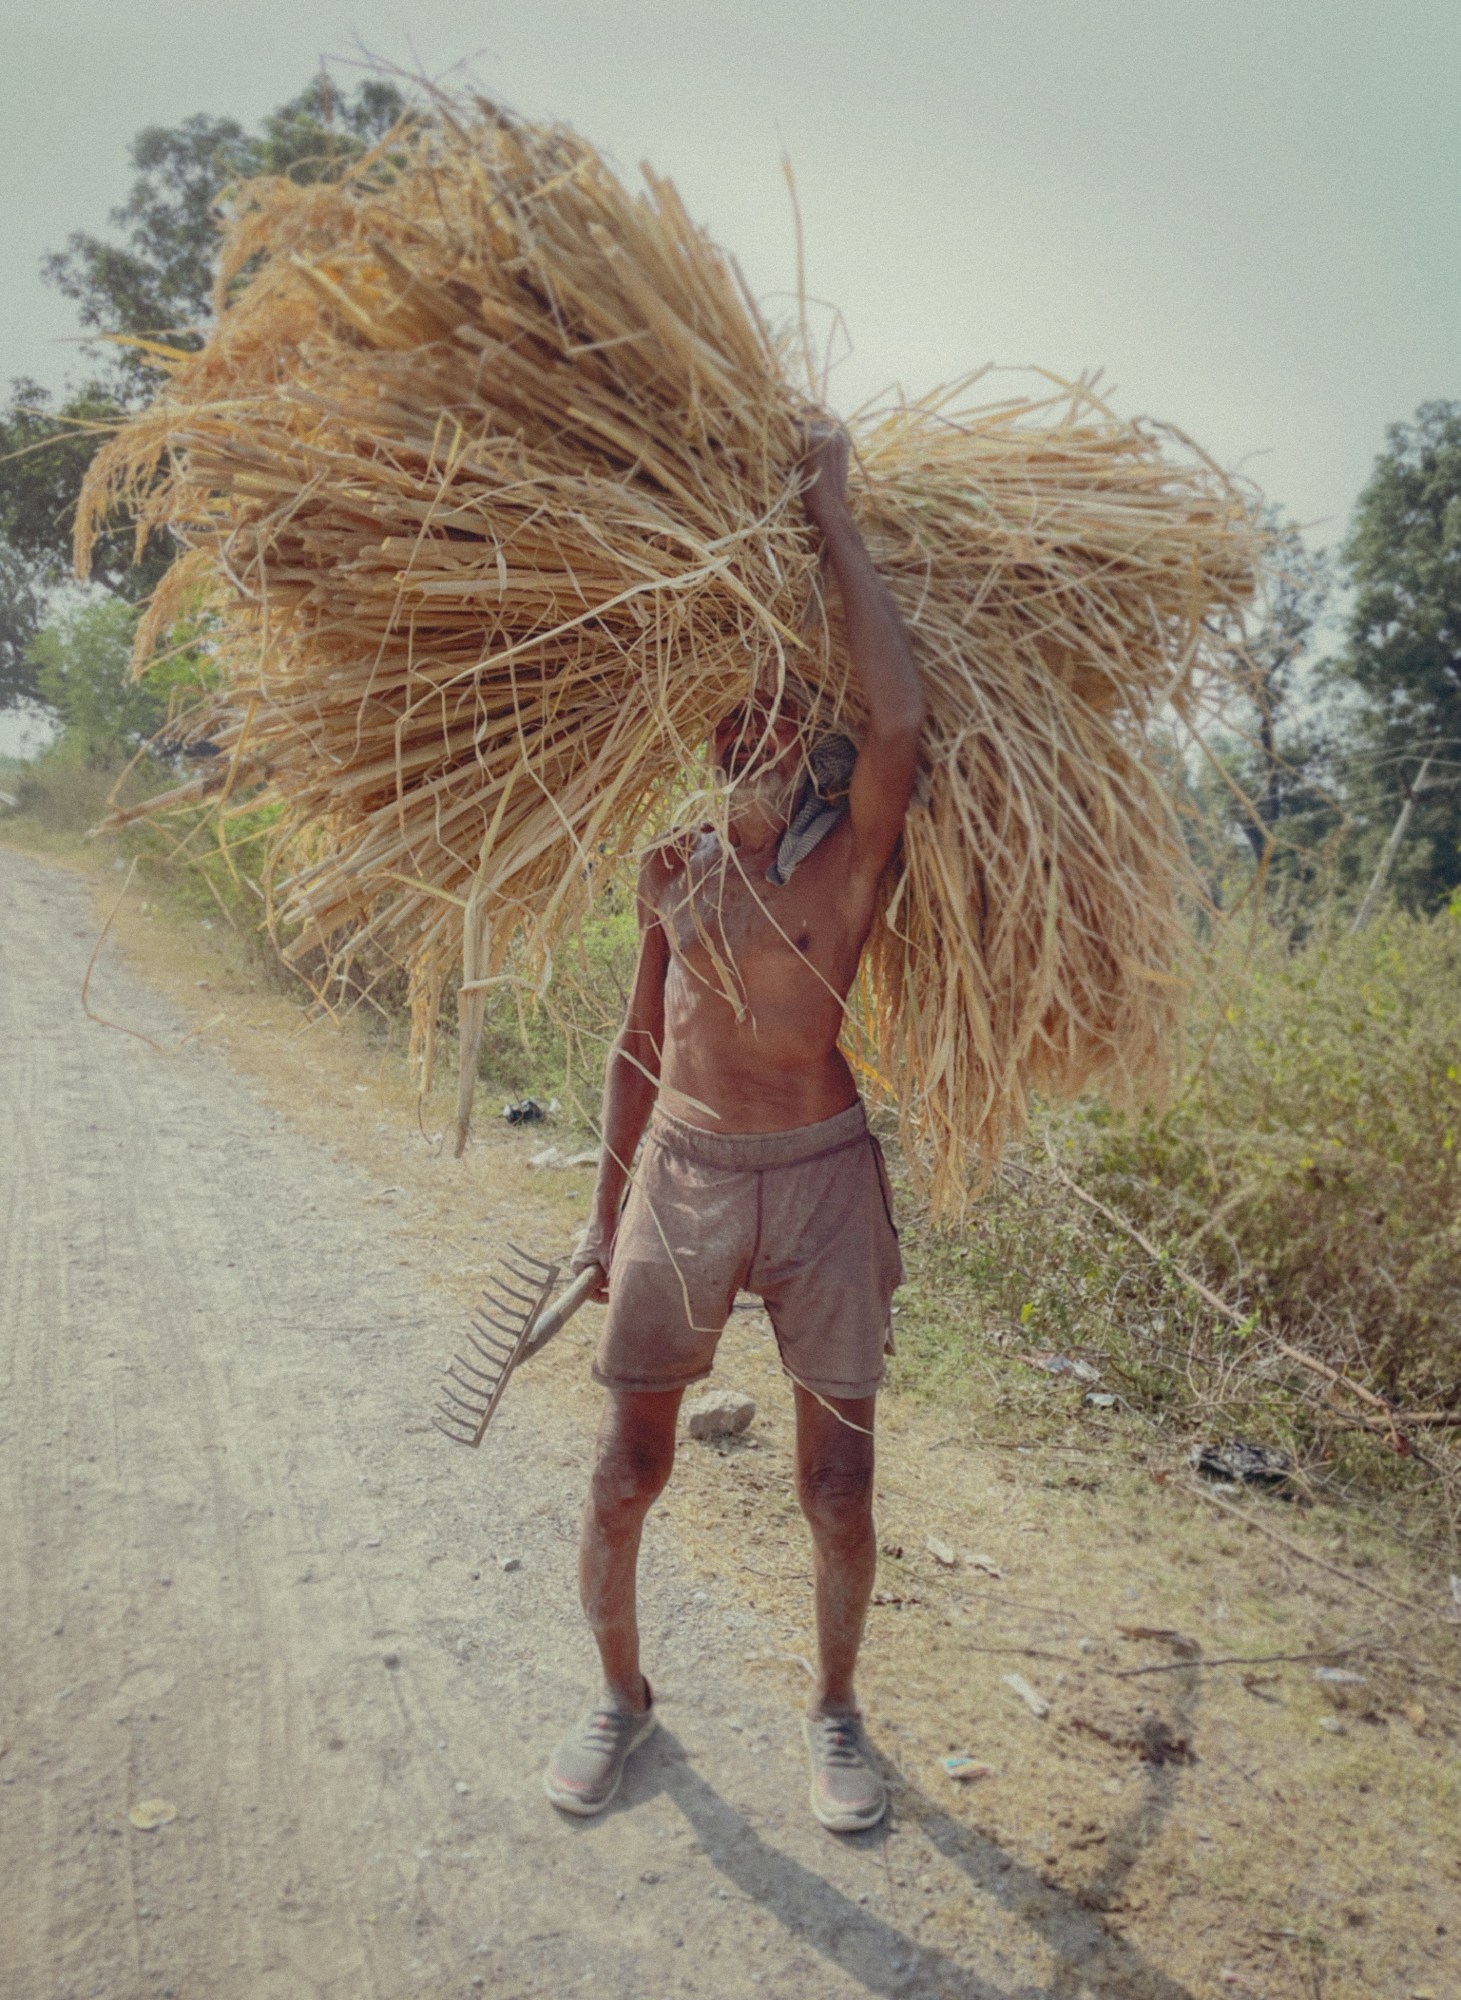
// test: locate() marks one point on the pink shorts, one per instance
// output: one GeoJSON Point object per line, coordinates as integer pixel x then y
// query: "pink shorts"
{"type": "Point", "coordinates": [804, 1219]}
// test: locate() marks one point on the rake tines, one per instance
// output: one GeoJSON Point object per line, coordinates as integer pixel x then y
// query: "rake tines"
{"type": "Point", "coordinates": [500, 1333]}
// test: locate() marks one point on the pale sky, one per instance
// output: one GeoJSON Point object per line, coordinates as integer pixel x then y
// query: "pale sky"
{"type": "Point", "coordinates": [1247, 213]}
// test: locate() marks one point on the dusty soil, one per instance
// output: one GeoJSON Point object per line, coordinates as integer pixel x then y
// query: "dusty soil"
{"type": "Point", "coordinates": [243, 1575]}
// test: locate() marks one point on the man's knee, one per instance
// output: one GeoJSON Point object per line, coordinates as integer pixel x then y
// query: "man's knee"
{"type": "Point", "coordinates": [631, 1470]}
{"type": "Point", "coordinates": [836, 1499]}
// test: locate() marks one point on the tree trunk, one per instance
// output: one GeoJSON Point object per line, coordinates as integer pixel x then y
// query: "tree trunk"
{"type": "Point", "coordinates": [1392, 847]}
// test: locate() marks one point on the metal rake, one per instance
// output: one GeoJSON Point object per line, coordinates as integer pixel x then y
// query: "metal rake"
{"type": "Point", "coordinates": [510, 1325]}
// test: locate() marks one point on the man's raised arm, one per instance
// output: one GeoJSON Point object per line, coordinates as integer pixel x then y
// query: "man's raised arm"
{"type": "Point", "coordinates": [887, 760]}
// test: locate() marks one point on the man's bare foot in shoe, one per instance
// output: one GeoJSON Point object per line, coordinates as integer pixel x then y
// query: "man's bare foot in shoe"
{"type": "Point", "coordinates": [848, 1795]}
{"type": "Point", "coordinates": [583, 1773]}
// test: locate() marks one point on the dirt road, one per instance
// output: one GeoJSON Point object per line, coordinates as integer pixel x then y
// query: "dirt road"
{"type": "Point", "coordinates": [242, 1575]}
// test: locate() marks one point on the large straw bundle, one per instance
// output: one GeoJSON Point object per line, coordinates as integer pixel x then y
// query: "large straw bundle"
{"type": "Point", "coordinates": [489, 472]}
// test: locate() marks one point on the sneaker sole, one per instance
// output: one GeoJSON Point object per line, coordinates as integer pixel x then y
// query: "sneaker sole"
{"type": "Point", "coordinates": [581, 1808]}
{"type": "Point", "coordinates": [570, 1802]}
{"type": "Point", "coordinates": [846, 1822]}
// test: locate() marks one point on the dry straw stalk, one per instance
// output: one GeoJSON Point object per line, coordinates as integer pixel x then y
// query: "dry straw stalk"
{"type": "Point", "coordinates": [488, 478]}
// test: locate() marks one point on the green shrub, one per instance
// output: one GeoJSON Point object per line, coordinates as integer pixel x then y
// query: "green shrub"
{"type": "Point", "coordinates": [558, 1045]}
{"type": "Point", "coordinates": [105, 751]}
{"type": "Point", "coordinates": [66, 791]}
{"type": "Point", "coordinates": [85, 674]}
{"type": "Point", "coordinates": [1311, 1163]}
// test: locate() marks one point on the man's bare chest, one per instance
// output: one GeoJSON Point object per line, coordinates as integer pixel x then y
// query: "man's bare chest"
{"type": "Point", "coordinates": [717, 910]}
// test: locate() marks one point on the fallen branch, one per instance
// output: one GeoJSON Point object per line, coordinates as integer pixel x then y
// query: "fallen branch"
{"type": "Point", "coordinates": [1394, 1419]}
{"type": "Point", "coordinates": [101, 1019]}
{"type": "Point", "coordinates": [1307, 1555]}
{"type": "Point", "coordinates": [1239, 1660]}
{"type": "Point", "coordinates": [1027, 1652]}
{"type": "Point", "coordinates": [1401, 1420]}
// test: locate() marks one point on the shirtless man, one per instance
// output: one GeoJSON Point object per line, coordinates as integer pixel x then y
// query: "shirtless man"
{"type": "Point", "coordinates": [758, 1171]}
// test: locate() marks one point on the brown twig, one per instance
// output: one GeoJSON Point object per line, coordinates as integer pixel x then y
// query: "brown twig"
{"type": "Point", "coordinates": [1394, 1419]}
{"type": "Point", "coordinates": [1027, 1652]}
{"type": "Point", "coordinates": [101, 1019]}
{"type": "Point", "coordinates": [1238, 1660]}
{"type": "Point", "coordinates": [1307, 1555]}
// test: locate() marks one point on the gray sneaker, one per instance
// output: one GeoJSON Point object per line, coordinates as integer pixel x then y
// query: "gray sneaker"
{"type": "Point", "coordinates": [584, 1771]}
{"type": "Point", "coordinates": [847, 1793]}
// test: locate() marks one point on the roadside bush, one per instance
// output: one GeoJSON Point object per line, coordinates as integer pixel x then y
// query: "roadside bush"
{"type": "Point", "coordinates": [558, 1045]}
{"type": "Point", "coordinates": [64, 792]}
{"type": "Point", "coordinates": [84, 657]}
{"type": "Point", "coordinates": [1310, 1166]}
{"type": "Point", "coordinates": [105, 752]}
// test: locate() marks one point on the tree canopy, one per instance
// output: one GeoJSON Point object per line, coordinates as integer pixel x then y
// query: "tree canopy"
{"type": "Point", "coordinates": [158, 279]}
{"type": "Point", "coordinates": [1403, 655]}
{"type": "Point", "coordinates": [153, 277]}
{"type": "Point", "coordinates": [83, 662]}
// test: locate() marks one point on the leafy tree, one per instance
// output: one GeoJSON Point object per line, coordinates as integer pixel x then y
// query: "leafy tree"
{"type": "Point", "coordinates": [21, 609]}
{"type": "Point", "coordinates": [1403, 655]}
{"type": "Point", "coordinates": [83, 671]}
{"type": "Point", "coordinates": [1279, 768]}
{"type": "Point", "coordinates": [1268, 789]}
{"type": "Point", "coordinates": [158, 280]}
{"type": "Point", "coordinates": [44, 453]}
{"type": "Point", "coordinates": [83, 667]}
{"type": "Point", "coordinates": [154, 278]}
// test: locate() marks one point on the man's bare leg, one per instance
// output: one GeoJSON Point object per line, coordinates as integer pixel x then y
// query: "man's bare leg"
{"type": "Point", "coordinates": [834, 1477]}
{"type": "Point", "coordinates": [636, 1449]}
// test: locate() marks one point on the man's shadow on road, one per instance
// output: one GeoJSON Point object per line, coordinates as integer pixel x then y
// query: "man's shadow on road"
{"type": "Point", "coordinates": [886, 1960]}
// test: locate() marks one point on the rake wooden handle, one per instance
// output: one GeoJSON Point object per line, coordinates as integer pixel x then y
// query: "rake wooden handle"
{"type": "Point", "coordinates": [555, 1317]}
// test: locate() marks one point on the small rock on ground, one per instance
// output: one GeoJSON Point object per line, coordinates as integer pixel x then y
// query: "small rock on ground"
{"type": "Point", "coordinates": [719, 1413]}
